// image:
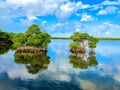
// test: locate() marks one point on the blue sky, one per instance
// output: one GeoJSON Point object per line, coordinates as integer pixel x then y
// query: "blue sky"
{"type": "Point", "coordinates": [62, 17]}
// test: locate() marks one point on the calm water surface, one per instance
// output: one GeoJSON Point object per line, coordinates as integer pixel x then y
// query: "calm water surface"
{"type": "Point", "coordinates": [59, 71]}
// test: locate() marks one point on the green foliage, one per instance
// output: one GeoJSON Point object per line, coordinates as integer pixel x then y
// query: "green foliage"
{"type": "Point", "coordinates": [32, 37]}
{"type": "Point", "coordinates": [93, 39]}
{"type": "Point", "coordinates": [33, 63]}
{"type": "Point", "coordinates": [92, 45]}
{"type": "Point", "coordinates": [4, 36]}
{"type": "Point", "coordinates": [60, 37]}
{"type": "Point", "coordinates": [19, 40]}
{"type": "Point", "coordinates": [108, 38]}
{"type": "Point", "coordinates": [92, 42]}
{"type": "Point", "coordinates": [83, 40]}
{"type": "Point", "coordinates": [73, 44]}
{"type": "Point", "coordinates": [4, 50]}
{"type": "Point", "coordinates": [33, 30]}
{"type": "Point", "coordinates": [92, 61]}
{"type": "Point", "coordinates": [78, 61]}
{"type": "Point", "coordinates": [77, 36]}
{"type": "Point", "coordinates": [33, 40]}
{"type": "Point", "coordinates": [45, 39]}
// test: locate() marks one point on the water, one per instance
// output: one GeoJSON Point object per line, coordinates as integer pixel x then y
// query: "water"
{"type": "Point", "coordinates": [59, 71]}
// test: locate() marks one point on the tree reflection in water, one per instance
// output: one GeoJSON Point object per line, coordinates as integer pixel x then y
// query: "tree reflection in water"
{"type": "Point", "coordinates": [82, 61]}
{"type": "Point", "coordinates": [33, 62]}
{"type": "Point", "coordinates": [4, 49]}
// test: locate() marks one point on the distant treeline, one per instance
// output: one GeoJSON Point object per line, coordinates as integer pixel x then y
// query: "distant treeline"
{"type": "Point", "coordinates": [60, 37]}
{"type": "Point", "coordinates": [108, 38]}
{"type": "Point", "coordinates": [99, 38]}
{"type": "Point", "coordinates": [33, 36]}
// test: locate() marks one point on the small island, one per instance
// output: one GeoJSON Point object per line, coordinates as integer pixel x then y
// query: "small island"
{"type": "Point", "coordinates": [32, 41]}
{"type": "Point", "coordinates": [79, 57]}
{"type": "Point", "coordinates": [81, 41]}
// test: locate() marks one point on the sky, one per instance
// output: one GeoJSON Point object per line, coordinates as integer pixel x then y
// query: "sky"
{"type": "Point", "coordinates": [99, 18]}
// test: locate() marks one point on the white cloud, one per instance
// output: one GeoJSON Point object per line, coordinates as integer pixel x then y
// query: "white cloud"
{"type": "Point", "coordinates": [69, 8]}
{"type": "Point", "coordinates": [77, 14]}
{"type": "Point", "coordinates": [66, 29]}
{"type": "Point", "coordinates": [108, 10]}
{"type": "Point", "coordinates": [31, 17]}
{"type": "Point", "coordinates": [117, 77]}
{"type": "Point", "coordinates": [119, 1]}
{"type": "Point", "coordinates": [32, 8]}
{"type": "Point", "coordinates": [108, 50]}
{"type": "Point", "coordinates": [22, 2]}
{"type": "Point", "coordinates": [106, 29]}
{"type": "Point", "coordinates": [107, 2]}
{"type": "Point", "coordinates": [77, 30]}
{"type": "Point", "coordinates": [43, 22]}
{"type": "Point", "coordinates": [86, 85]}
{"type": "Point", "coordinates": [25, 75]}
{"type": "Point", "coordinates": [96, 7]}
{"type": "Point", "coordinates": [86, 17]}
{"type": "Point", "coordinates": [63, 29]}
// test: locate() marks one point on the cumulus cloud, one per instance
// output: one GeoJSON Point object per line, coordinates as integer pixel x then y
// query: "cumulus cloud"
{"type": "Point", "coordinates": [63, 28]}
{"type": "Point", "coordinates": [35, 10]}
{"type": "Point", "coordinates": [69, 8]}
{"type": "Point", "coordinates": [67, 28]}
{"type": "Point", "coordinates": [107, 3]}
{"type": "Point", "coordinates": [86, 17]}
{"type": "Point", "coordinates": [108, 10]}
{"type": "Point", "coordinates": [106, 29]}
{"type": "Point", "coordinates": [32, 8]}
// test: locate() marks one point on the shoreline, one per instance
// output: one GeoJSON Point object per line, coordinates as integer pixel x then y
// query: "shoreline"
{"type": "Point", "coordinates": [100, 38]}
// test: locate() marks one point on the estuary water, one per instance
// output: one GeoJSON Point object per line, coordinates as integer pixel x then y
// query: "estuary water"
{"type": "Point", "coordinates": [61, 70]}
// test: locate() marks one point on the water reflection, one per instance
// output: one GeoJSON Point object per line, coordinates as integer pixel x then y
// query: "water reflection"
{"type": "Point", "coordinates": [60, 74]}
{"type": "Point", "coordinates": [4, 49]}
{"type": "Point", "coordinates": [33, 62]}
{"type": "Point", "coordinates": [80, 60]}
